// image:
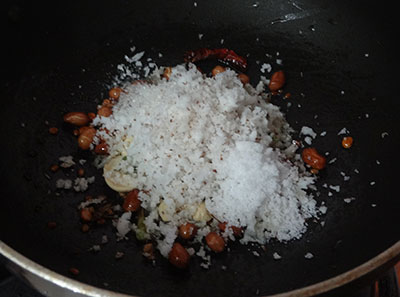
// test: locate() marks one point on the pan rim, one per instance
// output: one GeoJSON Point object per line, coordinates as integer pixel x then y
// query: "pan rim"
{"type": "Point", "coordinates": [92, 291]}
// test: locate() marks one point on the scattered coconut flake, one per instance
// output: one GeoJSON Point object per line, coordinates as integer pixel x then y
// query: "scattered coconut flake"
{"type": "Point", "coordinates": [309, 255]}
{"type": "Point", "coordinates": [119, 255]}
{"type": "Point", "coordinates": [104, 239]}
{"type": "Point", "coordinates": [372, 183]}
{"type": "Point", "coordinates": [84, 204]}
{"type": "Point", "coordinates": [95, 248]}
{"type": "Point", "coordinates": [276, 256]}
{"type": "Point", "coordinates": [205, 265]}
{"type": "Point", "coordinates": [266, 67]}
{"type": "Point", "coordinates": [308, 131]}
{"type": "Point", "coordinates": [134, 58]}
{"type": "Point", "coordinates": [255, 253]}
{"type": "Point", "coordinates": [323, 209]}
{"type": "Point", "coordinates": [82, 161]}
{"type": "Point", "coordinates": [343, 131]}
{"type": "Point", "coordinates": [384, 134]}
{"type": "Point", "coordinates": [333, 160]}
{"type": "Point", "coordinates": [66, 161]}
{"type": "Point", "coordinates": [81, 184]}
{"type": "Point", "coordinates": [335, 188]}
{"type": "Point", "coordinates": [63, 184]}
{"type": "Point", "coordinates": [348, 200]}
{"type": "Point", "coordinates": [308, 140]}
{"type": "Point", "coordinates": [124, 225]}
{"type": "Point", "coordinates": [323, 133]}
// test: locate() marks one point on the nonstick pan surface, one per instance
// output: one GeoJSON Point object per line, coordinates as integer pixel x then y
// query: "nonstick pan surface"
{"type": "Point", "coordinates": [340, 60]}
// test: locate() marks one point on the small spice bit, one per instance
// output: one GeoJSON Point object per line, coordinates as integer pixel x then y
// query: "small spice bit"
{"type": "Point", "coordinates": [215, 242]}
{"type": "Point", "coordinates": [311, 157]}
{"type": "Point", "coordinates": [277, 81]}
{"type": "Point", "coordinates": [54, 168]}
{"type": "Point", "coordinates": [101, 221]}
{"type": "Point", "coordinates": [179, 256]}
{"type": "Point", "coordinates": [119, 255]}
{"type": "Point", "coordinates": [51, 225]}
{"type": "Point", "coordinates": [347, 142]}
{"type": "Point", "coordinates": [167, 72]}
{"type": "Point", "coordinates": [132, 202]}
{"type": "Point", "coordinates": [74, 271]}
{"type": "Point", "coordinates": [53, 130]}
{"type": "Point", "coordinates": [114, 93]}
{"type": "Point", "coordinates": [81, 172]}
{"type": "Point", "coordinates": [85, 228]}
{"type": "Point", "coordinates": [76, 132]}
{"type": "Point", "coordinates": [287, 96]}
{"type": "Point", "coordinates": [76, 118]}
{"type": "Point", "coordinates": [91, 115]}
{"type": "Point", "coordinates": [148, 251]}
{"type": "Point", "coordinates": [187, 230]}
{"type": "Point", "coordinates": [88, 197]}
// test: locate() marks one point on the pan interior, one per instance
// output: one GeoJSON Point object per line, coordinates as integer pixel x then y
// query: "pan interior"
{"type": "Point", "coordinates": [341, 74]}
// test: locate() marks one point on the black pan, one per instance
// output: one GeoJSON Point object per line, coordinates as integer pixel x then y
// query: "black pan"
{"type": "Point", "coordinates": [340, 58]}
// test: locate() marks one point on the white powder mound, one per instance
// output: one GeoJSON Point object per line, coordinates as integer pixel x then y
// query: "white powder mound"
{"type": "Point", "coordinates": [194, 139]}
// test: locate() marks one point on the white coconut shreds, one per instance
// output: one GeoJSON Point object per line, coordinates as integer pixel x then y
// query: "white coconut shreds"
{"type": "Point", "coordinates": [194, 139]}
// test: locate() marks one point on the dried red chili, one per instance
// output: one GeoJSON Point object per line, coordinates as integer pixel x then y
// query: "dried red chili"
{"type": "Point", "coordinates": [223, 54]}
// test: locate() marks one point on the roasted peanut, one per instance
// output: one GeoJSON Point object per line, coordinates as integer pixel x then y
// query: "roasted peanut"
{"type": "Point", "coordinates": [132, 202]}
{"type": "Point", "coordinates": [76, 118]}
{"type": "Point", "coordinates": [101, 148]}
{"type": "Point", "coordinates": [237, 231]}
{"type": "Point", "coordinates": [215, 242]}
{"type": "Point", "coordinates": [187, 230]}
{"type": "Point", "coordinates": [277, 81]}
{"type": "Point", "coordinates": [217, 69]}
{"type": "Point", "coordinates": [86, 137]}
{"type": "Point", "coordinates": [114, 93]}
{"type": "Point", "coordinates": [244, 78]}
{"type": "Point", "coordinates": [311, 157]}
{"type": "Point", "coordinates": [347, 142]}
{"type": "Point", "coordinates": [104, 111]}
{"type": "Point", "coordinates": [178, 256]}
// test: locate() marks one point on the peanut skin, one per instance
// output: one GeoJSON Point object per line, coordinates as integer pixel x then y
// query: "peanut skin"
{"type": "Point", "coordinates": [77, 118]}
